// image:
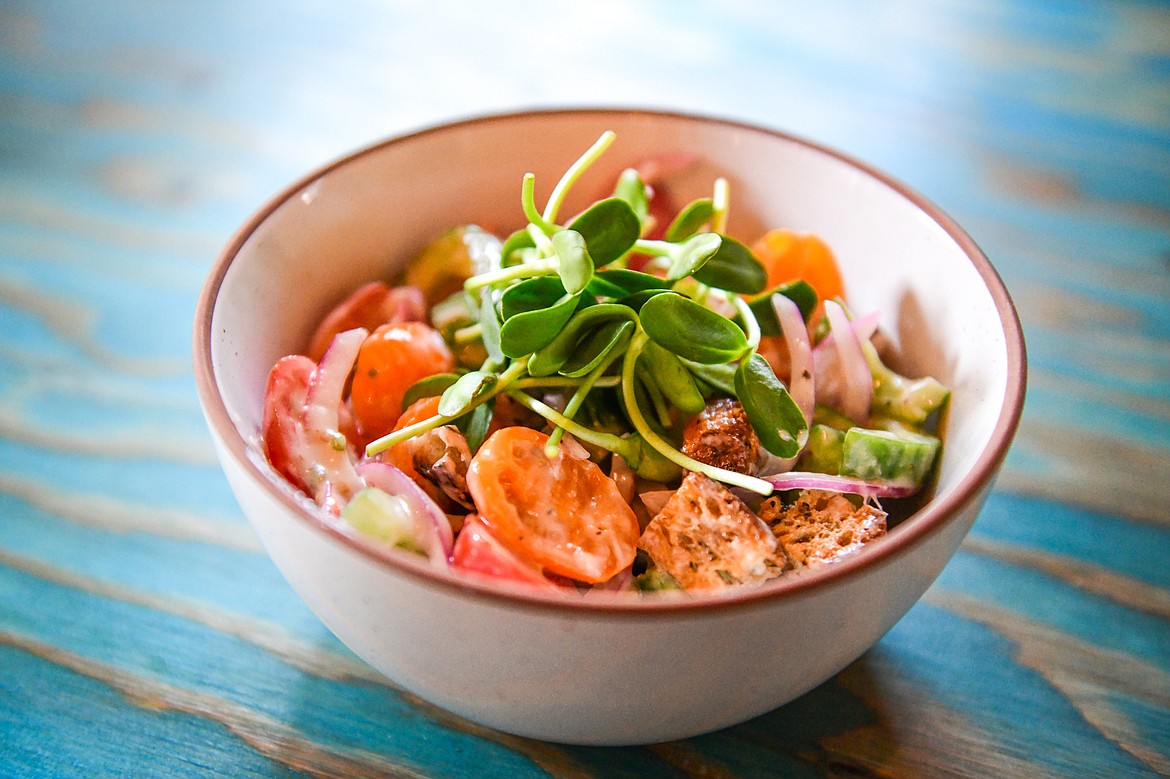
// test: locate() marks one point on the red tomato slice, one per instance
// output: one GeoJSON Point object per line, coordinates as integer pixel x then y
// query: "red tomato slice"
{"type": "Point", "coordinates": [370, 306]}
{"type": "Point", "coordinates": [302, 420]}
{"type": "Point", "coordinates": [562, 514]}
{"type": "Point", "coordinates": [284, 415]}
{"type": "Point", "coordinates": [476, 550]}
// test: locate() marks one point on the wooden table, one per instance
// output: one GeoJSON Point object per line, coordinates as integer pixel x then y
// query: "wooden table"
{"type": "Point", "coordinates": [143, 632]}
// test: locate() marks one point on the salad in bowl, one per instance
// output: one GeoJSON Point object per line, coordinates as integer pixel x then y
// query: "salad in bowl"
{"type": "Point", "coordinates": [637, 447]}
{"type": "Point", "coordinates": [624, 398]}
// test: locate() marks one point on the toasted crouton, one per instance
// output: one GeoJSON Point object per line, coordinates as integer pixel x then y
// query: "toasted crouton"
{"type": "Point", "coordinates": [721, 435]}
{"type": "Point", "coordinates": [707, 538]}
{"type": "Point", "coordinates": [820, 526]}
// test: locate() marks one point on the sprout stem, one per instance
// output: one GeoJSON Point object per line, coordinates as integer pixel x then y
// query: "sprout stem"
{"type": "Point", "coordinates": [469, 334]}
{"type": "Point", "coordinates": [545, 267]}
{"type": "Point", "coordinates": [503, 382]}
{"type": "Point", "coordinates": [607, 441]}
{"type": "Point", "coordinates": [537, 382]}
{"type": "Point", "coordinates": [528, 201]}
{"type": "Point", "coordinates": [571, 175]}
{"type": "Point", "coordinates": [749, 320]}
{"type": "Point", "coordinates": [720, 205]}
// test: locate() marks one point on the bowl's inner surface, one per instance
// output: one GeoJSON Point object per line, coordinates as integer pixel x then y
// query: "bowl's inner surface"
{"type": "Point", "coordinates": [365, 217]}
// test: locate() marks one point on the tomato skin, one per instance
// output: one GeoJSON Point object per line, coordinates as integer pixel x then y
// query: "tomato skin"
{"type": "Point", "coordinates": [303, 419]}
{"type": "Point", "coordinates": [561, 514]}
{"type": "Point", "coordinates": [787, 255]}
{"type": "Point", "coordinates": [393, 358]}
{"type": "Point", "coordinates": [284, 415]}
{"type": "Point", "coordinates": [370, 306]}
{"type": "Point", "coordinates": [476, 550]}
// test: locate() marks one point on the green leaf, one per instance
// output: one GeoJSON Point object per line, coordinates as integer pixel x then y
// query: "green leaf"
{"type": "Point", "coordinates": [525, 332]}
{"type": "Point", "coordinates": [672, 377]}
{"type": "Point", "coordinates": [428, 387]}
{"type": "Point", "coordinates": [733, 268]}
{"type": "Point", "coordinates": [474, 425]}
{"type": "Point", "coordinates": [575, 266]}
{"type": "Point", "coordinates": [690, 220]}
{"type": "Point", "coordinates": [531, 295]}
{"type": "Point", "coordinates": [688, 257]}
{"type": "Point", "coordinates": [718, 376]}
{"type": "Point", "coordinates": [692, 331]}
{"type": "Point", "coordinates": [596, 347]}
{"type": "Point", "coordinates": [798, 291]}
{"type": "Point", "coordinates": [549, 358]}
{"type": "Point", "coordinates": [601, 288]}
{"type": "Point", "coordinates": [649, 463]}
{"type": "Point", "coordinates": [456, 398]}
{"type": "Point", "coordinates": [515, 247]}
{"type": "Point", "coordinates": [610, 228]}
{"type": "Point", "coordinates": [619, 282]}
{"type": "Point", "coordinates": [632, 189]}
{"type": "Point", "coordinates": [636, 300]}
{"type": "Point", "coordinates": [489, 324]}
{"type": "Point", "coordinates": [773, 413]}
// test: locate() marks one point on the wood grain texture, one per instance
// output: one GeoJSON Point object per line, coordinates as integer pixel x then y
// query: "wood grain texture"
{"type": "Point", "coordinates": [143, 632]}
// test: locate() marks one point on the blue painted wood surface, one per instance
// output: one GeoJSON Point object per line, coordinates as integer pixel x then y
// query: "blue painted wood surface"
{"type": "Point", "coordinates": [144, 632]}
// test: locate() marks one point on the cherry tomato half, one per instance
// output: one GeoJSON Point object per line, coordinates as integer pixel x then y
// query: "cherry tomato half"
{"type": "Point", "coordinates": [284, 416]}
{"type": "Point", "coordinates": [393, 358]}
{"type": "Point", "coordinates": [562, 514]}
{"type": "Point", "coordinates": [787, 255]}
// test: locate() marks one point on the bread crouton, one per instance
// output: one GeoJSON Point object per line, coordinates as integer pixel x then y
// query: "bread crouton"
{"type": "Point", "coordinates": [707, 538]}
{"type": "Point", "coordinates": [820, 526]}
{"type": "Point", "coordinates": [722, 435]}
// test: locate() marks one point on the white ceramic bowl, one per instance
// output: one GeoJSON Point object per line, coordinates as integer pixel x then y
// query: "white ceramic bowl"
{"type": "Point", "coordinates": [621, 669]}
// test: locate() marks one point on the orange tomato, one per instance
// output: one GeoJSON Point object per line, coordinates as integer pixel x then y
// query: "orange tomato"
{"type": "Point", "coordinates": [787, 255]}
{"type": "Point", "coordinates": [561, 514]}
{"type": "Point", "coordinates": [401, 455]}
{"type": "Point", "coordinates": [393, 358]}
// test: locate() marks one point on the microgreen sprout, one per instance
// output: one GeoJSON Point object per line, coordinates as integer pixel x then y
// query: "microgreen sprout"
{"type": "Point", "coordinates": [565, 311]}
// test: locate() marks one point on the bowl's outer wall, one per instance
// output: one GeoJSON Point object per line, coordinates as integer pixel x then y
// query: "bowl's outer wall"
{"type": "Point", "coordinates": [581, 675]}
{"type": "Point", "coordinates": [591, 677]}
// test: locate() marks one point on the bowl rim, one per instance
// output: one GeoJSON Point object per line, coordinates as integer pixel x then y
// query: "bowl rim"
{"type": "Point", "coordinates": [923, 523]}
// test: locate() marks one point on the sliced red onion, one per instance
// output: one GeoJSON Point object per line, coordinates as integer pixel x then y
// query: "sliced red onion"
{"type": "Point", "coordinates": [573, 448]}
{"type": "Point", "coordinates": [805, 480]}
{"type": "Point", "coordinates": [826, 363]}
{"type": "Point", "coordinates": [801, 381]}
{"type": "Point", "coordinates": [323, 400]}
{"type": "Point", "coordinates": [866, 325]}
{"type": "Point", "coordinates": [655, 500]}
{"type": "Point", "coordinates": [439, 538]}
{"type": "Point", "coordinates": [622, 580]}
{"type": "Point", "coordinates": [328, 382]}
{"type": "Point", "coordinates": [623, 476]}
{"type": "Point", "coordinates": [857, 381]}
